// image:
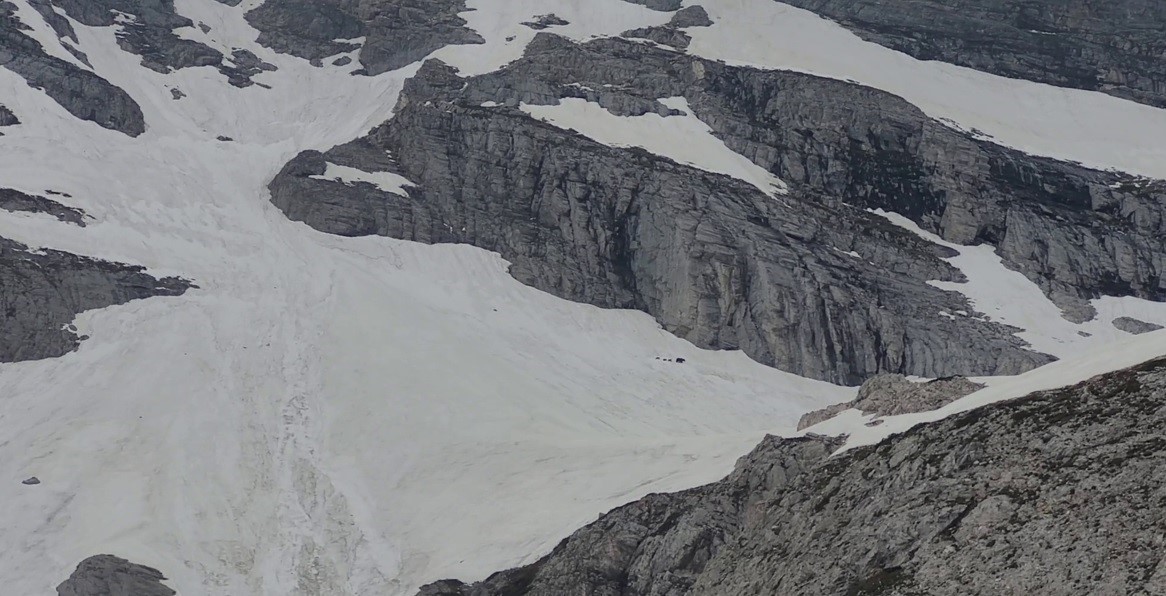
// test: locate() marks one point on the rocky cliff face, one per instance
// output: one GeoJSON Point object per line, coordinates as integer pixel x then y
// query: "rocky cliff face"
{"type": "Point", "coordinates": [1113, 47]}
{"type": "Point", "coordinates": [42, 291]}
{"type": "Point", "coordinates": [708, 256]}
{"type": "Point", "coordinates": [1078, 233]}
{"type": "Point", "coordinates": [713, 258]}
{"type": "Point", "coordinates": [1056, 493]}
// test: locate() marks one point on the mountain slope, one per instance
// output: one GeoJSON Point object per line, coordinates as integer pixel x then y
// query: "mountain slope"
{"type": "Point", "coordinates": [317, 409]}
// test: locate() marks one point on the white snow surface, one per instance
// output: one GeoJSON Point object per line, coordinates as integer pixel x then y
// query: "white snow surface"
{"type": "Point", "coordinates": [386, 181]}
{"type": "Point", "coordinates": [684, 139]}
{"type": "Point", "coordinates": [323, 415]}
{"type": "Point", "coordinates": [329, 415]}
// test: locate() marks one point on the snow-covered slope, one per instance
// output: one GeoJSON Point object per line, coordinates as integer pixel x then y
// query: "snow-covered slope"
{"type": "Point", "coordinates": [329, 415]}
{"type": "Point", "coordinates": [324, 415]}
{"type": "Point", "coordinates": [1097, 130]}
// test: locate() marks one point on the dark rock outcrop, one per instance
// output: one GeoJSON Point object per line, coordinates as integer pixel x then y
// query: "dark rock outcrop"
{"type": "Point", "coordinates": [7, 118]}
{"type": "Point", "coordinates": [42, 291]}
{"type": "Point", "coordinates": [714, 259]}
{"type": "Point", "coordinates": [1135, 326]}
{"type": "Point", "coordinates": [546, 21]}
{"type": "Point", "coordinates": [1114, 47]}
{"type": "Point", "coordinates": [396, 32]}
{"type": "Point", "coordinates": [665, 35]}
{"type": "Point", "coordinates": [84, 94]}
{"type": "Point", "coordinates": [107, 575]}
{"type": "Point", "coordinates": [892, 395]}
{"type": "Point", "coordinates": [1059, 492]}
{"type": "Point", "coordinates": [691, 16]}
{"type": "Point", "coordinates": [14, 200]}
{"type": "Point", "coordinates": [671, 34]}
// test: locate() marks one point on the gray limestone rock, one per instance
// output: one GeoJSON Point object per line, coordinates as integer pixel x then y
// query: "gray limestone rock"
{"type": "Point", "coordinates": [1058, 492]}
{"type": "Point", "coordinates": [42, 291]}
{"type": "Point", "coordinates": [1076, 232]}
{"type": "Point", "coordinates": [494, 178]}
{"type": "Point", "coordinates": [84, 94]}
{"type": "Point", "coordinates": [712, 258]}
{"type": "Point", "coordinates": [14, 200]}
{"type": "Point", "coordinates": [1114, 47]}
{"type": "Point", "coordinates": [31, 481]}
{"type": "Point", "coordinates": [1135, 326]}
{"type": "Point", "coordinates": [892, 395]}
{"type": "Point", "coordinates": [396, 32]}
{"type": "Point", "coordinates": [107, 575]}
{"type": "Point", "coordinates": [668, 36]}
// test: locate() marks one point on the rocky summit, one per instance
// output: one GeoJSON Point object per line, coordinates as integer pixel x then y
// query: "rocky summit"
{"type": "Point", "coordinates": [486, 297]}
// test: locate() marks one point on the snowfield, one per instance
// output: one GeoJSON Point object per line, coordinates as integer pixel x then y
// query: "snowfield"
{"type": "Point", "coordinates": [329, 415]}
{"type": "Point", "coordinates": [323, 415]}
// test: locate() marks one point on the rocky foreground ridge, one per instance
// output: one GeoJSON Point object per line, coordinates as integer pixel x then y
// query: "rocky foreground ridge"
{"type": "Point", "coordinates": [1059, 492]}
